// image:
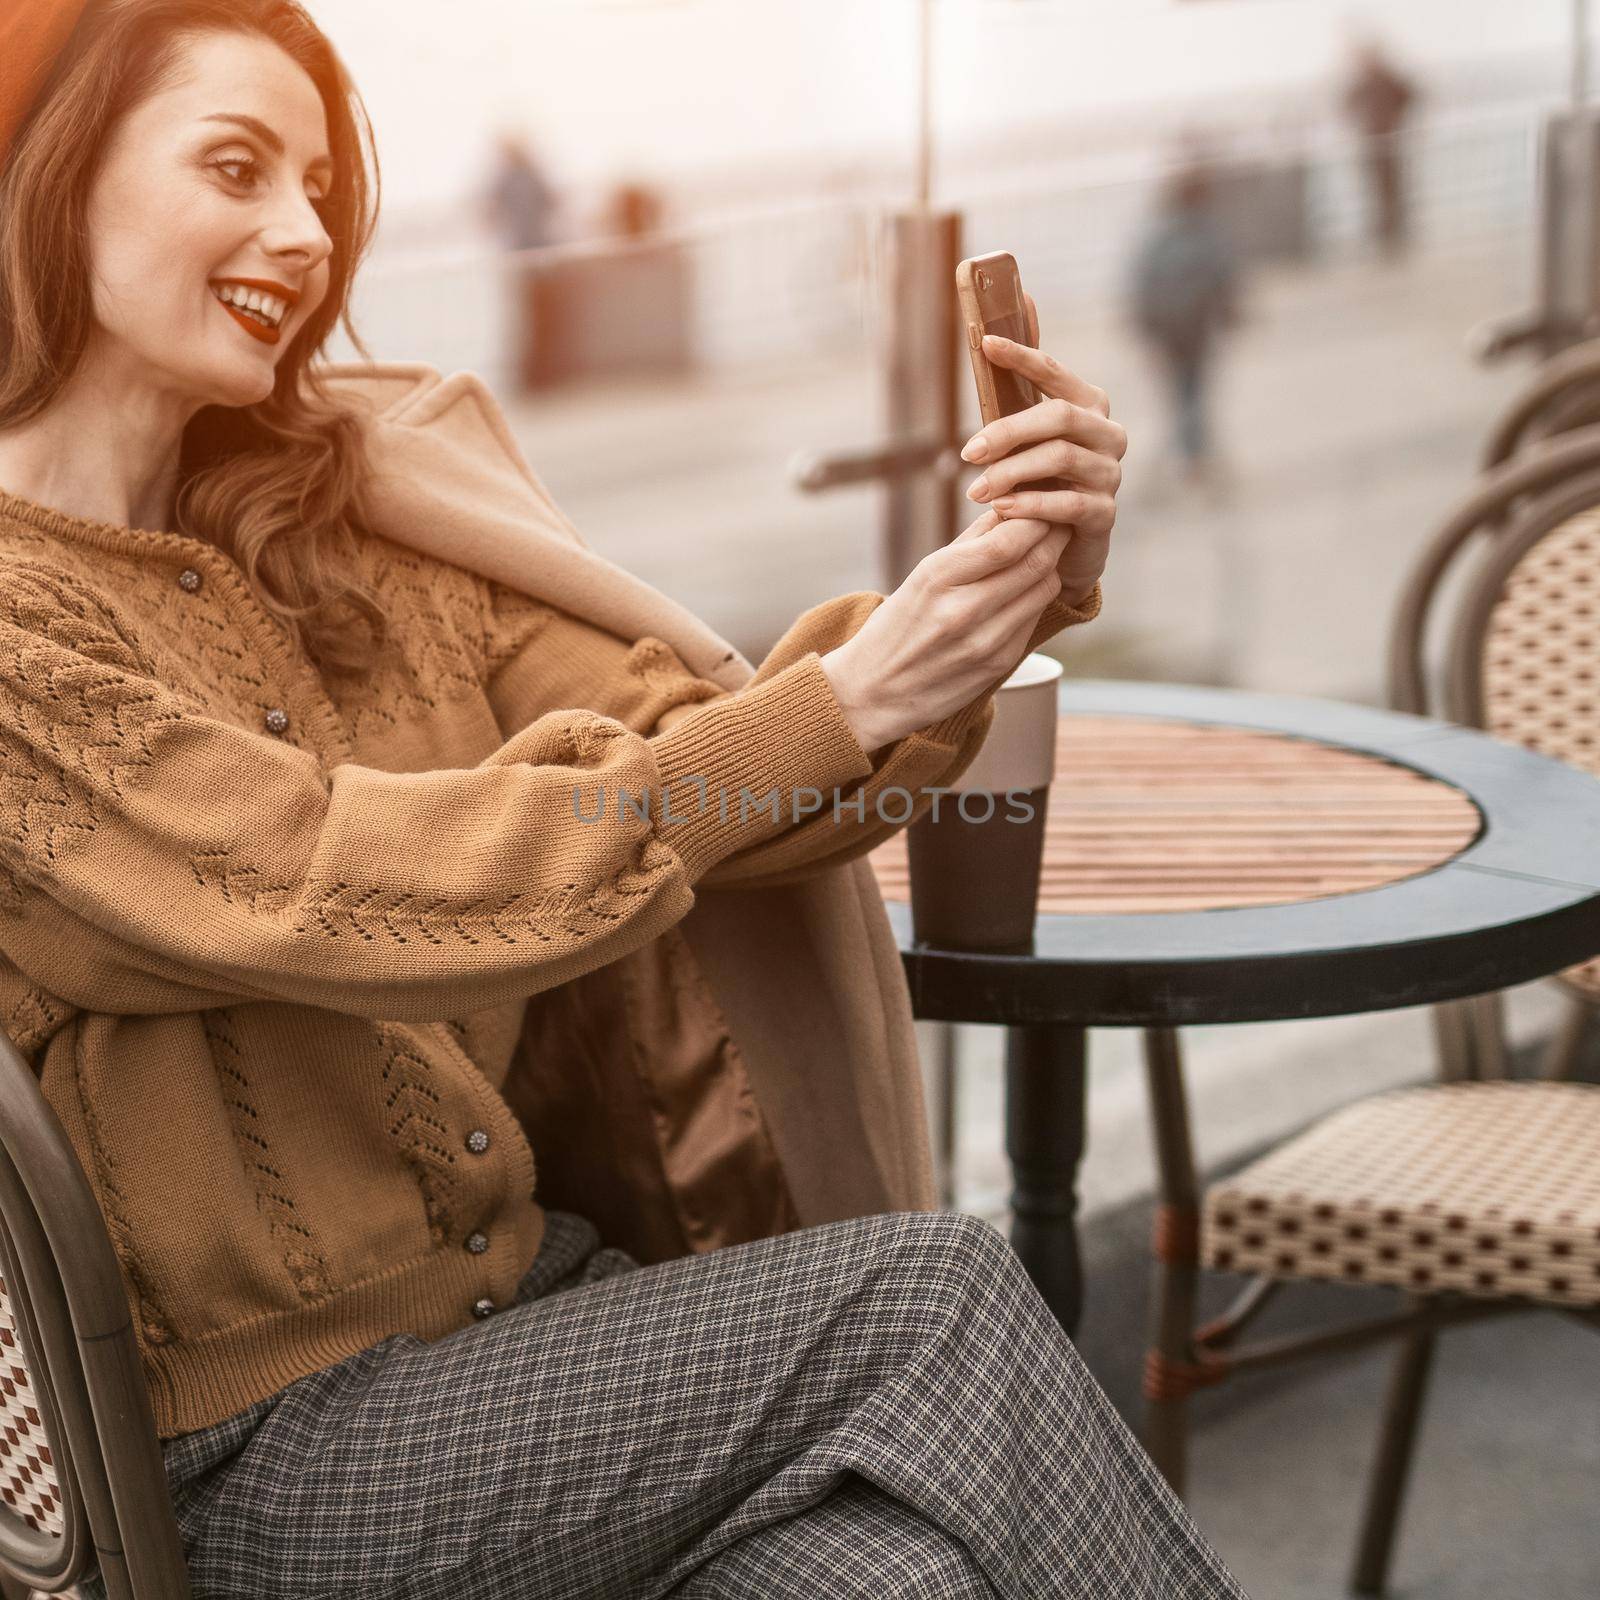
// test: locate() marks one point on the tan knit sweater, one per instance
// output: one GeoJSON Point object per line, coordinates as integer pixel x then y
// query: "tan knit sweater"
{"type": "Point", "coordinates": [268, 939]}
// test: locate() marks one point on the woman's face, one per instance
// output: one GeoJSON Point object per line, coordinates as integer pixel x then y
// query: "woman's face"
{"type": "Point", "coordinates": [188, 202]}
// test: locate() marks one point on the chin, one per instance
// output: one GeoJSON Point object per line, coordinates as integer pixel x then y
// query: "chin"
{"type": "Point", "coordinates": [246, 384]}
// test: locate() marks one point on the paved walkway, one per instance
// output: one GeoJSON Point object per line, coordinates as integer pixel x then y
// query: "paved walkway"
{"type": "Point", "coordinates": [1503, 1488]}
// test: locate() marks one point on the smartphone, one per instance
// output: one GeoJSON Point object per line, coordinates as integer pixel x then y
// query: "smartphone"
{"type": "Point", "coordinates": [989, 292]}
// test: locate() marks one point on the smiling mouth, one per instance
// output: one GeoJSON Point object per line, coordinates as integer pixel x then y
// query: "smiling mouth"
{"type": "Point", "coordinates": [256, 323]}
{"type": "Point", "coordinates": [258, 330]}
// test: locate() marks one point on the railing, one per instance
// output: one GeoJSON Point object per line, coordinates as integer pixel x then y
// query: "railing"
{"type": "Point", "coordinates": [1348, 409]}
{"type": "Point", "coordinates": [778, 284]}
{"type": "Point", "coordinates": [793, 282]}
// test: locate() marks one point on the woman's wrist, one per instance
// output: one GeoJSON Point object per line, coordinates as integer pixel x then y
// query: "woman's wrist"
{"type": "Point", "coordinates": [858, 714]}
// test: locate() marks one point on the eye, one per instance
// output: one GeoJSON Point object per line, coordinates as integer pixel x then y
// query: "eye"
{"type": "Point", "coordinates": [320, 203]}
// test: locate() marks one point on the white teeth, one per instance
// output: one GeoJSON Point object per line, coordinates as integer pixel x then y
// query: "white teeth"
{"type": "Point", "coordinates": [268, 307]}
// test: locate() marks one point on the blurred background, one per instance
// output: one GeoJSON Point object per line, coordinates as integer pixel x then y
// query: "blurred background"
{"type": "Point", "coordinates": [1310, 250]}
{"type": "Point", "coordinates": [697, 195]}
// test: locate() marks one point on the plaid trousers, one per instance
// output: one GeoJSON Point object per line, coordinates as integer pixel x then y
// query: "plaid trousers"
{"type": "Point", "coordinates": [881, 1407]}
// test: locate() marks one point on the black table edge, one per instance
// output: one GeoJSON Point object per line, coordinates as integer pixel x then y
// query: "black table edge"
{"type": "Point", "coordinates": [1522, 901]}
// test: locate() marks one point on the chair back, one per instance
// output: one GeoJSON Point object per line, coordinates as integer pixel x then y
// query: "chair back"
{"type": "Point", "coordinates": [1559, 478]}
{"type": "Point", "coordinates": [81, 1474]}
{"type": "Point", "coordinates": [1523, 661]}
{"type": "Point", "coordinates": [1478, 523]}
{"type": "Point", "coordinates": [1564, 395]}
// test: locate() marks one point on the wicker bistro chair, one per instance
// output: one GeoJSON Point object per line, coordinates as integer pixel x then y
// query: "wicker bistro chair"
{"type": "Point", "coordinates": [81, 1475]}
{"type": "Point", "coordinates": [1474, 1195]}
{"type": "Point", "coordinates": [1520, 659]}
{"type": "Point", "coordinates": [1564, 395]}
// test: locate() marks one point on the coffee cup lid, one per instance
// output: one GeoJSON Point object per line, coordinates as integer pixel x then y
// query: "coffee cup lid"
{"type": "Point", "coordinates": [1035, 667]}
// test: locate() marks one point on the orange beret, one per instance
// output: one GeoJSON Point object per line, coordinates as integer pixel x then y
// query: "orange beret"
{"type": "Point", "coordinates": [32, 35]}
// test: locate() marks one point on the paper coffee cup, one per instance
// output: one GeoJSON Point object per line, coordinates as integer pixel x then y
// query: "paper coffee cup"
{"type": "Point", "coordinates": [1019, 751]}
{"type": "Point", "coordinates": [975, 867]}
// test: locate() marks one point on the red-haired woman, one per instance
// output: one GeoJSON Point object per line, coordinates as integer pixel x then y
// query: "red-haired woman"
{"type": "Point", "coordinates": [319, 946]}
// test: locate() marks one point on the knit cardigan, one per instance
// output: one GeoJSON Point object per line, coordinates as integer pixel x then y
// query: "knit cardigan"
{"type": "Point", "coordinates": [334, 982]}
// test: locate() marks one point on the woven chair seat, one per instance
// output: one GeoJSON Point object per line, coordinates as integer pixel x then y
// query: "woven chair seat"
{"type": "Point", "coordinates": [28, 1482]}
{"type": "Point", "coordinates": [1486, 1189]}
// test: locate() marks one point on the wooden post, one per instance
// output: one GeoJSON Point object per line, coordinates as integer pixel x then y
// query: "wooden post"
{"type": "Point", "coordinates": [918, 465]}
{"type": "Point", "coordinates": [921, 250]}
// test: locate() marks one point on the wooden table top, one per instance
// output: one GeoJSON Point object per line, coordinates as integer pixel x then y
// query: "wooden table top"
{"type": "Point", "coordinates": [1482, 860]}
{"type": "Point", "coordinates": [1155, 815]}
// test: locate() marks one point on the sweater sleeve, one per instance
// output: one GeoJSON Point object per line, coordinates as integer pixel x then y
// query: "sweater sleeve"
{"type": "Point", "coordinates": [158, 857]}
{"type": "Point", "coordinates": [538, 657]}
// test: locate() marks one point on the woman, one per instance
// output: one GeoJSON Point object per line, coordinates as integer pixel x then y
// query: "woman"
{"type": "Point", "coordinates": [305, 884]}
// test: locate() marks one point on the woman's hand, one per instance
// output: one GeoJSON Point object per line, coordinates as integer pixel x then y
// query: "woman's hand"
{"type": "Point", "coordinates": [960, 622]}
{"type": "Point", "coordinates": [1068, 435]}
{"type": "Point", "coordinates": [957, 626]}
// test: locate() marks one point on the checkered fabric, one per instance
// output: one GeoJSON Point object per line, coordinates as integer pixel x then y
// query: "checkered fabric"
{"type": "Point", "coordinates": [841, 1549]}
{"type": "Point", "coordinates": [1487, 1189]}
{"type": "Point", "coordinates": [882, 1406]}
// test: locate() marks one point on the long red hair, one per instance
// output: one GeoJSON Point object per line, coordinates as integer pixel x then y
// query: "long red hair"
{"type": "Point", "coordinates": [277, 485]}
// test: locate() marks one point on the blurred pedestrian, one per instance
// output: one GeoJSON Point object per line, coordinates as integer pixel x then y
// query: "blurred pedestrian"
{"type": "Point", "coordinates": [1185, 290]}
{"type": "Point", "coordinates": [1378, 97]}
{"type": "Point", "coordinates": [633, 211]}
{"type": "Point", "coordinates": [520, 204]}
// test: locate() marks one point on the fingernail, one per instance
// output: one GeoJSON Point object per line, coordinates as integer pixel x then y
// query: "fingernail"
{"type": "Point", "coordinates": [976, 449]}
{"type": "Point", "coordinates": [979, 490]}
{"type": "Point", "coordinates": [1005, 503]}
{"type": "Point", "coordinates": [995, 338]}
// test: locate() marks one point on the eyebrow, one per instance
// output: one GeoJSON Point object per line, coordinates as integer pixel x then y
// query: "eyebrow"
{"type": "Point", "coordinates": [265, 134]}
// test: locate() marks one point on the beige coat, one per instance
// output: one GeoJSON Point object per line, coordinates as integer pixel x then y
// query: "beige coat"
{"type": "Point", "coordinates": [806, 977]}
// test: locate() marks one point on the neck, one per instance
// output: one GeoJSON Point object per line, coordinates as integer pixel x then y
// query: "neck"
{"type": "Point", "coordinates": [101, 450]}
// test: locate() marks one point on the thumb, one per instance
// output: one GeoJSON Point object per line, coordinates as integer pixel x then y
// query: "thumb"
{"type": "Point", "coordinates": [980, 526]}
{"type": "Point", "coordinates": [1005, 541]}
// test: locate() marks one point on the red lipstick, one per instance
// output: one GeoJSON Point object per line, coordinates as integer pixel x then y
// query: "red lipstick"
{"type": "Point", "coordinates": [258, 330]}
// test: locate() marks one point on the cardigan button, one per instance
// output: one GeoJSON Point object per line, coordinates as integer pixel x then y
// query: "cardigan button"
{"type": "Point", "coordinates": [477, 1141]}
{"type": "Point", "coordinates": [277, 720]}
{"type": "Point", "coordinates": [483, 1308]}
{"type": "Point", "coordinates": [189, 580]}
{"type": "Point", "coordinates": [477, 1243]}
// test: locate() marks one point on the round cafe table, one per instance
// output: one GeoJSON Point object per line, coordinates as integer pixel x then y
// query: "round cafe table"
{"type": "Point", "coordinates": [1218, 856]}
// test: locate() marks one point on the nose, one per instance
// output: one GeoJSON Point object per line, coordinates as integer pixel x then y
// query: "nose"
{"type": "Point", "coordinates": [297, 233]}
